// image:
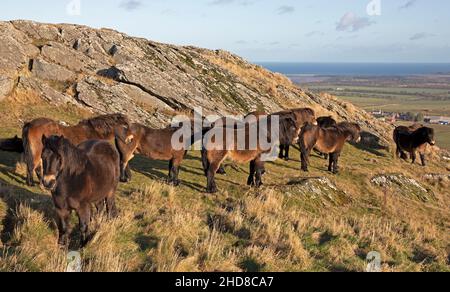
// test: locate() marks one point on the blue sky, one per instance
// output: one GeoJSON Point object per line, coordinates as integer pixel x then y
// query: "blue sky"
{"type": "Point", "coordinates": [269, 30]}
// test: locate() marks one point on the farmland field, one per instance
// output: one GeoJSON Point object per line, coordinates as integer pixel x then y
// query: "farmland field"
{"type": "Point", "coordinates": [429, 95]}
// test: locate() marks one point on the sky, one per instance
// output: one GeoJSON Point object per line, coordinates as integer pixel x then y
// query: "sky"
{"type": "Point", "coordinates": [268, 30]}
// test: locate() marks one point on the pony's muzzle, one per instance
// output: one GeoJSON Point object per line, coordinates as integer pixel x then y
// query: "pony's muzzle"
{"type": "Point", "coordinates": [433, 143]}
{"type": "Point", "coordinates": [49, 181]}
{"type": "Point", "coordinates": [129, 139]}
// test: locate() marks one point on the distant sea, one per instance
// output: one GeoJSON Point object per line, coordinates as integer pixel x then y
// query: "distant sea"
{"type": "Point", "coordinates": [360, 69]}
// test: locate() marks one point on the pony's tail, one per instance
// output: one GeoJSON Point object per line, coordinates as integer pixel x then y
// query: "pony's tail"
{"type": "Point", "coordinates": [27, 151]}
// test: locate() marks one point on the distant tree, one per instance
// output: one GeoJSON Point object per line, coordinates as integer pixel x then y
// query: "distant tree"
{"type": "Point", "coordinates": [419, 118]}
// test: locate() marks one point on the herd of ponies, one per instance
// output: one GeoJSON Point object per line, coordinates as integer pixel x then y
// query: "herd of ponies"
{"type": "Point", "coordinates": [82, 168]}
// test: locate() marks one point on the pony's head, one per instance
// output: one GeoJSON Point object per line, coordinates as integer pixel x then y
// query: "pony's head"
{"type": "Point", "coordinates": [354, 131]}
{"type": "Point", "coordinates": [428, 135]}
{"type": "Point", "coordinates": [52, 161]}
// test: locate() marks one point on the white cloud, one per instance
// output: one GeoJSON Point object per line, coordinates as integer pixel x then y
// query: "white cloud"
{"type": "Point", "coordinates": [352, 22]}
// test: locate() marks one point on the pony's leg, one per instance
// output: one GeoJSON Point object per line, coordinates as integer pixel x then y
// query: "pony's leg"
{"type": "Point", "coordinates": [413, 156]}
{"type": "Point", "coordinates": [84, 215]}
{"type": "Point", "coordinates": [125, 172]}
{"type": "Point", "coordinates": [304, 157]}
{"type": "Point", "coordinates": [212, 186]}
{"type": "Point", "coordinates": [422, 159]}
{"type": "Point", "coordinates": [63, 226]}
{"type": "Point", "coordinates": [251, 177]}
{"type": "Point", "coordinates": [205, 162]}
{"type": "Point", "coordinates": [281, 155]}
{"type": "Point", "coordinates": [111, 208]}
{"type": "Point", "coordinates": [331, 162]}
{"type": "Point", "coordinates": [39, 172]}
{"type": "Point", "coordinates": [259, 173]}
{"type": "Point", "coordinates": [176, 171]}
{"type": "Point", "coordinates": [171, 176]}
{"type": "Point", "coordinates": [286, 152]}
{"type": "Point", "coordinates": [335, 159]}
{"type": "Point", "coordinates": [30, 173]}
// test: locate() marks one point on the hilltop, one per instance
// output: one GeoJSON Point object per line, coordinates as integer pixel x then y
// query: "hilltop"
{"type": "Point", "coordinates": [313, 222]}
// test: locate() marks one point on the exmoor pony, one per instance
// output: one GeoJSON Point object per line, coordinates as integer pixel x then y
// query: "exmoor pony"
{"type": "Point", "coordinates": [242, 151]}
{"type": "Point", "coordinates": [79, 177]}
{"type": "Point", "coordinates": [99, 128]}
{"type": "Point", "coordinates": [328, 141]}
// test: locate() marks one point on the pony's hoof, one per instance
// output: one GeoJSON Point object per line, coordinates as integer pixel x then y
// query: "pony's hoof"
{"type": "Point", "coordinates": [212, 190]}
{"type": "Point", "coordinates": [63, 242]}
{"type": "Point", "coordinates": [221, 171]}
{"type": "Point", "coordinates": [124, 180]}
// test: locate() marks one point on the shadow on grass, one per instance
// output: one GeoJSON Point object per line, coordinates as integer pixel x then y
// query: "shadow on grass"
{"type": "Point", "coordinates": [371, 143]}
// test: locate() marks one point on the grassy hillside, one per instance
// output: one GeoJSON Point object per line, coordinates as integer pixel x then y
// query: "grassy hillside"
{"type": "Point", "coordinates": [296, 222]}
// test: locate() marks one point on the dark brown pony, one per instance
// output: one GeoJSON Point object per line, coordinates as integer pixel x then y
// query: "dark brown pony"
{"type": "Point", "coordinates": [155, 144]}
{"type": "Point", "coordinates": [79, 177]}
{"type": "Point", "coordinates": [99, 128]}
{"type": "Point", "coordinates": [411, 139]}
{"type": "Point", "coordinates": [325, 122]}
{"type": "Point", "coordinates": [302, 117]}
{"type": "Point", "coordinates": [213, 157]}
{"type": "Point", "coordinates": [329, 141]}
{"type": "Point", "coordinates": [12, 145]}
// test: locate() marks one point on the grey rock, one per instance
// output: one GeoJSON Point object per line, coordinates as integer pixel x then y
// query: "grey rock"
{"type": "Point", "coordinates": [6, 86]}
{"type": "Point", "coordinates": [51, 72]}
{"type": "Point", "coordinates": [150, 81]}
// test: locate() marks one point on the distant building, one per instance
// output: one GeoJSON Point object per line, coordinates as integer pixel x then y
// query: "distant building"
{"type": "Point", "coordinates": [437, 120]}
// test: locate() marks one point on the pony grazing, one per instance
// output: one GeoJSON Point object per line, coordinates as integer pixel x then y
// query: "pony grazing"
{"type": "Point", "coordinates": [99, 128]}
{"type": "Point", "coordinates": [79, 177]}
{"type": "Point", "coordinates": [411, 139]}
{"type": "Point", "coordinates": [155, 144]}
{"type": "Point", "coordinates": [328, 141]}
{"type": "Point", "coordinates": [214, 155]}
{"type": "Point", "coordinates": [303, 116]}
{"type": "Point", "coordinates": [12, 145]}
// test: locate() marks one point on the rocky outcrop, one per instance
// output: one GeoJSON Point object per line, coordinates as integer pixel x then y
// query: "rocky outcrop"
{"type": "Point", "coordinates": [398, 184]}
{"type": "Point", "coordinates": [107, 71]}
{"type": "Point", "coordinates": [321, 191]}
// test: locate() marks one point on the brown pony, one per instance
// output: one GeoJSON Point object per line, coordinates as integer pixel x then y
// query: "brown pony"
{"type": "Point", "coordinates": [325, 122]}
{"type": "Point", "coordinates": [213, 157]}
{"type": "Point", "coordinates": [411, 139]}
{"type": "Point", "coordinates": [327, 140]}
{"type": "Point", "coordinates": [99, 128]}
{"type": "Point", "coordinates": [79, 177]}
{"type": "Point", "coordinates": [155, 144]}
{"type": "Point", "coordinates": [12, 145]}
{"type": "Point", "coordinates": [302, 117]}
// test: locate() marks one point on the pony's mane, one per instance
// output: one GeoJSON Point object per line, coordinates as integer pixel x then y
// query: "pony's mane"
{"type": "Point", "coordinates": [74, 159]}
{"type": "Point", "coordinates": [348, 127]}
{"type": "Point", "coordinates": [106, 124]}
